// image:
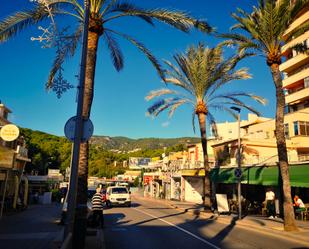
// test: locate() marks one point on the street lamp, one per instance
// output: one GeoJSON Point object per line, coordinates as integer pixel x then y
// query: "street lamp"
{"type": "Point", "coordinates": [238, 172]}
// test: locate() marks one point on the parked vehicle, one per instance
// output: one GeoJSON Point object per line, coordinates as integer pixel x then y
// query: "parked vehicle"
{"type": "Point", "coordinates": [103, 193]}
{"type": "Point", "coordinates": [118, 195]}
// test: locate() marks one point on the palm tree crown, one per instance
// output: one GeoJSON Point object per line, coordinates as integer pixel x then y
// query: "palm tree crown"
{"type": "Point", "coordinates": [263, 30]}
{"type": "Point", "coordinates": [200, 73]}
{"type": "Point", "coordinates": [102, 12]}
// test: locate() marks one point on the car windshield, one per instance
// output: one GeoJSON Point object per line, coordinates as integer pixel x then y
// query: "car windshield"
{"type": "Point", "coordinates": [119, 191]}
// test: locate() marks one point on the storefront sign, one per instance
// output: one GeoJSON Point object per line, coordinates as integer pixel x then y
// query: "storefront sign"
{"type": "Point", "coordinates": [9, 132]}
{"type": "Point", "coordinates": [147, 179]}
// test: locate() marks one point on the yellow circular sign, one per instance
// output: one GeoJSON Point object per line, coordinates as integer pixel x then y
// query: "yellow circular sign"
{"type": "Point", "coordinates": [9, 132]}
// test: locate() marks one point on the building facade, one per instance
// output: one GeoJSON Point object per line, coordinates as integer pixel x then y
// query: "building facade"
{"type": "Point", "coordinates": [13, 158]}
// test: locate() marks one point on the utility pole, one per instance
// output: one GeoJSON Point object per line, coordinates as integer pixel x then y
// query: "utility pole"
{"type": "Point", "coordinates": [238, 171]}
{"type": "Point", "coordinates": [78, 130]}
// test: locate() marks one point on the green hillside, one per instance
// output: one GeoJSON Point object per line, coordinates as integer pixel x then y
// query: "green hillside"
{"type": "Point", "coordinates": [106, 154]}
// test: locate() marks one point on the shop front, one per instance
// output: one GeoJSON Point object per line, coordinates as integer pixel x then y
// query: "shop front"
{"type": "Point", "coordinates": [256, 180]}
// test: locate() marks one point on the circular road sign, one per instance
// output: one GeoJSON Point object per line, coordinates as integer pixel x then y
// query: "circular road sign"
{"type": "Point", "coordinates": [69, 129]}
{"type": "Point", "coordinates": [238, 172]}
{"type": "Point", "coordinates": [9, 132]}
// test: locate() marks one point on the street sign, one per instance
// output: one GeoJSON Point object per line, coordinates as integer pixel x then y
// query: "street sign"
{"type": "Point", "coordinates": [9, 132]}
{"type": "Point", "coordinates": [69, 129]}
{"type": "Point", "coordinates": [238, 172]}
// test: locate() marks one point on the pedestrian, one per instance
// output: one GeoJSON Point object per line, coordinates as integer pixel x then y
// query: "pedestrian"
{"type": "Point", "coordinates": [97, 208]}
{"type": "Point", "coordinates": [298, 203]}
{"type": "Point", "coordinates": [270, 203]}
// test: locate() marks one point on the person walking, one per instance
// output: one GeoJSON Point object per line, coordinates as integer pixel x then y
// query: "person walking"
{"type": "Point", "coordinates": [270, 203]}
{"type": "Point", "coordinates": [97, 208]}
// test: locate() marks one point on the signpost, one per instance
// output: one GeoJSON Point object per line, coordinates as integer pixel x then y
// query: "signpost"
{"type": "Point", "coordinates": [78, 130]}
{"type": "Point", "coordinates": [238, 173]}
{"type": "Point", "coordinates": [70, 125]}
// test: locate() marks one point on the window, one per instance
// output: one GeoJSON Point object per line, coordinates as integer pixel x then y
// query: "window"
{"type": "Point", "coordinates": [286, 131]}
{"type": "Point", "coordinates": [301, 128]}
{"type": "Point", "coordinates": [295, 128]}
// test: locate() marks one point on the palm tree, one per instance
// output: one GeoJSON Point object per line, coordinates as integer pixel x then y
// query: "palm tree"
{"type": "Point", "coordinates": [200, 73]}
{"type": "Point", "coordinates": [262, 33]}
{"type": "Point", "coordinates": [102, 15]}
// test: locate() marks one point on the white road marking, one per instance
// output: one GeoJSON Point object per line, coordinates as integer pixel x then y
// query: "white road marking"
{"type": "Point", "coordinates": [179, 228]}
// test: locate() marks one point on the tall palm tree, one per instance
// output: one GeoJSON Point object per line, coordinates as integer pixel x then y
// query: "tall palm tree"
{"type": "Point", "coordinates": [102, 15]}
{"type": "Point", "coordinates": [200, 73]}
{"type": "Point", "coordinates": [262, 32]}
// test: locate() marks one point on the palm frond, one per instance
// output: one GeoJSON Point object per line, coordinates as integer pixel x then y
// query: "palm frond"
{"type": "Point", "coordinates": [177, 19]}
{"type": "Point", "coordinates": [174, 107]}
{"type": "Point", "coordinates": [115, 52]}
{"type": "Point", "coordinates": [143, 49]}
{"type": "Point", "coordinates": [21, 20]}
{"type": "Point", "coordinates": [193, 121]}
{"type": "Point", "coordinates": [161, 105]}
{"type": "Point", "coordinates": [128, 9]}
{"type": "Point", "coordinates": [159, 93]}
{"type": "Point", "coordinates": [212, 123]}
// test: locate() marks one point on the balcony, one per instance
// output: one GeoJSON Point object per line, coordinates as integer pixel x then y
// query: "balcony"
{"type": "Point", "coordinates": [295, 41]}
{"type": "Point", "coordinates": [296, 77]}
{"type": "Point", "coordinates": [294, 63]}
{"type": "Point", "coordinates": [297, 96]}
{"type": "Point", "coordinates": [302, 19]}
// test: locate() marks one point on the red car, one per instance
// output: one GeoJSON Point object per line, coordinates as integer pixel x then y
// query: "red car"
{"type": "Point", "coordinates": [103, 193]}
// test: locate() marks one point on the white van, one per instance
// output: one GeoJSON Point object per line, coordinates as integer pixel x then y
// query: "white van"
{"type": "Point", "coordinates": [118, 195]}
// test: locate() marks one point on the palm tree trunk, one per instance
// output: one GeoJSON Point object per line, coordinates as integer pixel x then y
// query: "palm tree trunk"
{"type": "Point", "coordinates": [80, 224]}
{"type": "Point", "coordinates": [289, 218]}
{"type": "Point", "coordinates": [206, 182]}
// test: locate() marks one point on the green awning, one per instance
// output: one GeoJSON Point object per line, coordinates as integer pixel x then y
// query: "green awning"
{"type": "Point", "coordinates": [262, 175]}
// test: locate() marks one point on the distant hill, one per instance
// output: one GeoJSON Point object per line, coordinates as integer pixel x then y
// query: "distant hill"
{"type": "Point", "coordinates": [129, 144]}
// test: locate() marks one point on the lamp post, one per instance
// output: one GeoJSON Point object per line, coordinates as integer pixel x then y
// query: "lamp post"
{"type": "Point", "coordinates": [238, 172]}
{"type": "Point", "coordinates": [78, 132]}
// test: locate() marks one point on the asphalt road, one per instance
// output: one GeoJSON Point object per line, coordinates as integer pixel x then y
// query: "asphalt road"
{"type": "Point", "coordinates": [152, 225]}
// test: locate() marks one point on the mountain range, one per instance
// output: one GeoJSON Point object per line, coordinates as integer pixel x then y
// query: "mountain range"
{"type": "Point", "coordinates": [129, 144]}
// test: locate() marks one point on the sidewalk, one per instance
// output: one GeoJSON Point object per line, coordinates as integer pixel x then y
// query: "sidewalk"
{"type": "Point", "coordinates": [34, 228]}
{"type": "Point", "coordinates": [257, 223]}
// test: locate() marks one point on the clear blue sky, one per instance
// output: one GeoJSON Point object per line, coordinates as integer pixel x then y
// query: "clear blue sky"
{"type": "Point", "coordinates": [119, 106]}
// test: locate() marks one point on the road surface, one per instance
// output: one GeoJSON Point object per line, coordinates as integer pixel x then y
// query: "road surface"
{"type": "Point", "coordinates": [149, 224]}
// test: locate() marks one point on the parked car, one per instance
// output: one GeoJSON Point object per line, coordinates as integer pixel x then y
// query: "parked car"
{"type": "Point", "coordinates": [103, 193]}
{"type": "Point", "coordinates": [118, 195]}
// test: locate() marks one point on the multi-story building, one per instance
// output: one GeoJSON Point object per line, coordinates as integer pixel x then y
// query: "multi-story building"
{"type": "Point", "coordinates": [296, 87]}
